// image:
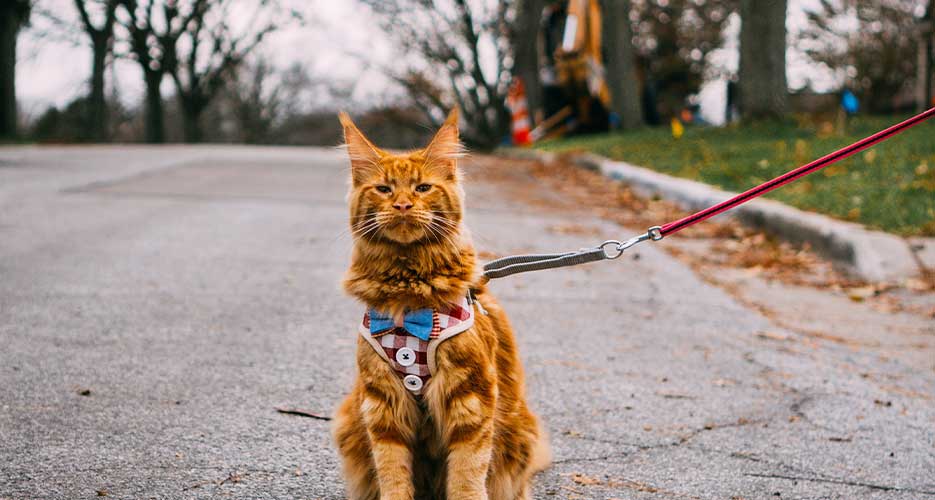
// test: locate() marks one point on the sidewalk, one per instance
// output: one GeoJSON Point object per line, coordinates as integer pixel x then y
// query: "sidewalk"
{"type": "Point", "coordinates": [872, 256]}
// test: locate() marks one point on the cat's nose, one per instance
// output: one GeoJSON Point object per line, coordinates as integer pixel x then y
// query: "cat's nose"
{"type": "Point", "coordinates": [402, 206]}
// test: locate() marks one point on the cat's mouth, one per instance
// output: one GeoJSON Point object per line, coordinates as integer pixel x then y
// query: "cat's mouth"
{"type": "Point", "coordinates": [404, 229]}
{"type": "Point", "coordinates": [401, 221]}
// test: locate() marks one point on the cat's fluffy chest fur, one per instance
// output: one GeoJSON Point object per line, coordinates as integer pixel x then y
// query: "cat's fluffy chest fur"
{"type": "Point", "coordinates": [471, 435]}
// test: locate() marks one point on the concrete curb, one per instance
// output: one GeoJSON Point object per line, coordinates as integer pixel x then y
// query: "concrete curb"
{"type": "Point", "coordinates": [869, 255]}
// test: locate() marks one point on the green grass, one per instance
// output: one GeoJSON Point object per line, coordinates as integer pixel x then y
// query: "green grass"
{"type": "Point", "coordinates": [890, 186]}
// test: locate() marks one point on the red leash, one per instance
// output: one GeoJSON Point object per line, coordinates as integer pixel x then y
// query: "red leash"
{"type": "Point", "coordinates": [612, 249]}
{"type": "Point", "coordinates": [796, 174]}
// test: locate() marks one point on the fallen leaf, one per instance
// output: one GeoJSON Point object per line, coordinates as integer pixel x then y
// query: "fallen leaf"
{"type": "Point", "coordinates": [584, 480]}
{"type": "Point", "coordinates": [860, 293]}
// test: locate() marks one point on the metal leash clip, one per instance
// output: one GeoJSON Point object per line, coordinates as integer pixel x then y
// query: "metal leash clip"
{"type": "Point", "coordinates": [614, 249]}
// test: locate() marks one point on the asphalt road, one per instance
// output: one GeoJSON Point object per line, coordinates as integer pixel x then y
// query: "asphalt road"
{"type": "Point", "coordinates": [156, 305]}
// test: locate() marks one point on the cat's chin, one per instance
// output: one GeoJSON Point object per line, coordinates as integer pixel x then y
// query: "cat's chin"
{"type": "Point", "coordinates": [405, 233]}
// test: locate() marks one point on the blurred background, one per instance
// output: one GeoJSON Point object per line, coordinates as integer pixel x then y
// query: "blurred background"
{"type": "Point", "coordinates": [275, 71]}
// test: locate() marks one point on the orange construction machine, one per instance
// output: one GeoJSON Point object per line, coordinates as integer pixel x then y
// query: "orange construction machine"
{"type": "Point", "coordinates": [575, 94]}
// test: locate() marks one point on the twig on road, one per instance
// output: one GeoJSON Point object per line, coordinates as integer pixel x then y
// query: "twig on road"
{"type": "Point", "coordinates": [302, 413]}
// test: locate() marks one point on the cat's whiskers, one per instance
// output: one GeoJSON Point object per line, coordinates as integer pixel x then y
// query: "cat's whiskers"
{"type": "Point", "coordinates": [437, 232]}
{"type": "Point", "coordinates": [447, 225]}
{"type": "Point", "coordinates": [441, 237]}
{"type": "Point", "coordinates": [369, 233]}
{"type": "Point", "coordinates": [446, 233]}
{"type": "Point", "coordinates": [351, 229]}
{"type": "Point", "coordinates": [367, 228]}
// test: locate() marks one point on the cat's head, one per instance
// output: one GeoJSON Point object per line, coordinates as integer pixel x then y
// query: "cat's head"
{"type": "Point", "coordinates": [405, 198]}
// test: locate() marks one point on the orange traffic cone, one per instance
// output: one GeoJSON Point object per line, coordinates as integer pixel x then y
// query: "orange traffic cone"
{"type": "Point", "coordinates": [516, 101]}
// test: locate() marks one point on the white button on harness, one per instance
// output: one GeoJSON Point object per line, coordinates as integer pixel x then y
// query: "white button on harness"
{"type": "Point", "coordinates": [406, 356]}
{"type": "Point", "coordinates": [412, 382]}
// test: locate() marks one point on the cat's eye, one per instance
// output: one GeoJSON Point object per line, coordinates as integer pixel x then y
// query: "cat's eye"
{"type": "Point", "coordinates": [422, 188]}
{"type": "Point", "coordinates": [384, 189]}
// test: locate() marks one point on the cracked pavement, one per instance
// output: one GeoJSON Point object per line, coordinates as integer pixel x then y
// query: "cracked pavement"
{"type": "Point", "coordinates": [156, 305]}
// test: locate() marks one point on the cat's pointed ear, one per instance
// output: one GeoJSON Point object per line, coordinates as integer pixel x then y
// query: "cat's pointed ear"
{"type": "Point", "coordinates": [443, 152]}
{"type": "Point", "coordinates": [364, 156]}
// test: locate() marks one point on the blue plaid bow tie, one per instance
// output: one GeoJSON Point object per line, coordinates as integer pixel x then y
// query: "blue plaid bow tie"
{"type": "Point", "coordinates": [418, 323]}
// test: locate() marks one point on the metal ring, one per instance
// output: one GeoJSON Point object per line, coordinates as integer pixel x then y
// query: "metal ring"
{"type": "Point", "coordinates": [615, 245]}
{"type": "Point", "coordinates": [655, 233]}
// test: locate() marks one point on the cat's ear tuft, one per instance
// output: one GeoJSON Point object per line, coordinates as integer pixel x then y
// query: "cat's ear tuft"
{"type": "Point", "coordinates": [445, 149]}
{"type": "Point", "coordinates": [364, 156]}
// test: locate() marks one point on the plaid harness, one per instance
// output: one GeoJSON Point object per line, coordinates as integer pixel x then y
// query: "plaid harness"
{"type": "Point", "coordinates": [412, 358]}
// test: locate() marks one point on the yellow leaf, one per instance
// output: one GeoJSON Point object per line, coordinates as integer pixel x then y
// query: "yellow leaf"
{"type": "Point", "coordinates": [677, 128]}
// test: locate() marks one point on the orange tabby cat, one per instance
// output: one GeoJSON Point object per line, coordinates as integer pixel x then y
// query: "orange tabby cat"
{"type": "Point", "coordinates": [462, 431]}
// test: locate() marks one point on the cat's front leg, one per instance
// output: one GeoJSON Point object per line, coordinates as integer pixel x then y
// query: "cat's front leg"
{"type": "Point", "coordinates": [389, 415]}
{"type": "Point", "coordinates": [390, 444]}
{"type": "Point", "coordinates": [467, 424]}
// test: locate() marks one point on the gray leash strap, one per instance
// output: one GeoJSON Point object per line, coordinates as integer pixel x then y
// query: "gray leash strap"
{"type": "Point", "coordinates": [535, 262]}
{"type": "Point", "coordinates": [610, 249]}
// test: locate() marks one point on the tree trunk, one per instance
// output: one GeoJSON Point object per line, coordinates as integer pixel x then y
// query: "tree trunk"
{"type": "Point", "coordinates": [930, 57]}
{"type": "Point", "coordinates": [763, 88]}
{"type": "Point", "coordinates": [154, 115]}
{"type": "Point", "coordinates": [926, 54]}
{"type": "Point", "coordinates": [97, 105]}
{"type": "Point", "coordinates": [191, 122]}
{"type": "Point", "coordinates": [621, 68]}
{"type": "Point", "coordinates": [526, 54]}
{"type": "Point", "coordinates": [9, 26]}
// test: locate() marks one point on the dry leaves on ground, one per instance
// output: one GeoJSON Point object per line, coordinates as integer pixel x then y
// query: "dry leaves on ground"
{"type": "Point", "coordinates": [717, 244]}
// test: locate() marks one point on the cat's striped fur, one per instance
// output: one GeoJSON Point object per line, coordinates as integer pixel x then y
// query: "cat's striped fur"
{"type": "Point", "coordinates": [471, 434]}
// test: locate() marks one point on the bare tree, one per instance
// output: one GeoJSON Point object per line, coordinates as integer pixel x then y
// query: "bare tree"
{"type": "Point", "coordinates": [672, 39]}
{"type": "Point", "coordinates": [877, 60]}
{"type": "Point", "coordinates": [214, 50]}
{"type": "Point", "coordinates": [101, 45]}
{"type": "Point", "coordinates": [154, 28]}
{"type": "Point", "coordinates": [257, 103]}
{"type": "Point", "coordinates": [13, 15]}
{"type": "Point", "coordinates": [763, 88]}
{"type": "Point", "coordinates": [448, 36]}
{"type": "Point", "coordinates": [621, 64]}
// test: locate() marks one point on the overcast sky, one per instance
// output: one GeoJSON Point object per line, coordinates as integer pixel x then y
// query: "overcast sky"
{"type": "Point", "coordinates": [54, 69]}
